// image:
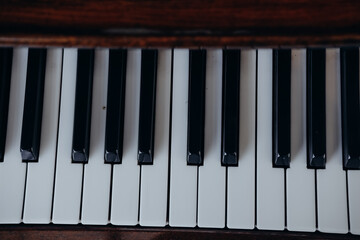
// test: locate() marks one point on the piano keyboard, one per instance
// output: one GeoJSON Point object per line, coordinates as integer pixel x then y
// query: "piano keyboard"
{"type": "Point", "coordinates": [265, 139]}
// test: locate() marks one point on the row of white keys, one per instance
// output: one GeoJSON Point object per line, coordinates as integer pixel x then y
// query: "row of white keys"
{"type": "Point", "coordinates": [40, 175]}
{"type": "Point", "coordinates": [97, 175]}
{"type": "Point", "coordinates": [154, 178]}
{"type": "Point", "coordinates": [300, 181]}
{"type": "Point", "coordinates": [331, 182]}
{"type": "Point", "coordinates": [125, 182]}
{"type": "Point", "coordinates": [353, 179]}
{"type": "Point", "coordinates": [13, 170]}
{"type": "Point", "coordinates": [183, 178]}
{"type": "Point", "coordinates": [68, 176]}
{"type": "Point", "coordinates": [241, 179]}
{"type": "Point", "coordinates": [270, 181]}
{"type": "Point", "coordinates": [211, 189]}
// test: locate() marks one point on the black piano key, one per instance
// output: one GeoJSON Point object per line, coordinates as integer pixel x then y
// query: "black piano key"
{"type": "Point", "coordinates": [281, 107]}
{"type": "Point", "coordinates": [6, 55]}
{"type": "Point", "coordinates": [316, 118]}
{"type": "Point", "coordinates": [230, 113]}
{"type": "Point", "coordinates": [115, 106]}
{"type": "Point", "coordinates": [83, 100]}
{"type": "Point", "coordinates": [196, 107]}
{"type": "Point", "coordinates": [33, 105]}
{"type": "Point", "coordinates": [350, 107]}
{"type": "Point", "coordinates": [147, 106]}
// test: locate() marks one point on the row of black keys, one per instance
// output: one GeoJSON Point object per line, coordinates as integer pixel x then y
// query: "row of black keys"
{"type": "Point", "coordinates": [316, 127]}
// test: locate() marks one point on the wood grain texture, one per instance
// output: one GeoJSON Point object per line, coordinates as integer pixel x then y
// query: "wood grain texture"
{"type": "Point", "coordinates": [188, 23]}
{"type": "Point", "coordinates": [32, 232]}
{"type": "Point", "coordinates": [249, 41]}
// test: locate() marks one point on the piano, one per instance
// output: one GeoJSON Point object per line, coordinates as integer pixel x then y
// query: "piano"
{"type": "Point", "coordinates": [180, 119]}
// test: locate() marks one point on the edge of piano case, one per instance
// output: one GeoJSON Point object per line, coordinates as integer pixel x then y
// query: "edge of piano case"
{"type": "Point", "coordinates": [172, 23]}
{"type": "Point", "coordinates": [81, 232]}
{"type": "Point", "coordinates": [186, 23]}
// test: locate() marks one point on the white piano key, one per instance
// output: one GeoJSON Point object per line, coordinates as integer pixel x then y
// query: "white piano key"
{"type": "Point", "coordinates": [211, 189]}
{"type": "Point", "coordinates": [125, 182]}
{"type": "Point", "coordinates": [154, 178]}
{"type": "Point", "coordinates": [68, 176]}
{"type": "Point", "coordinates": [270, 181]}
{"type": "Point", "coordinates": [183, 178]}
{"type": "Point", "coordinates": [40, 175]}
{"type": "Point", "coordinates": [353, 180]}
{"type": "Point", "coordinates": [97, 174]}
{"type": "Point", "coordinates": [331, 182]}
{"type": "Point", "coordinates": [13, 170]}
{"type": "Point", "coordinates": [354, 199]}
{"type": "Point", "coordinates": [241, 179]}
{"type": "Point", "coordinates": [300, 181]}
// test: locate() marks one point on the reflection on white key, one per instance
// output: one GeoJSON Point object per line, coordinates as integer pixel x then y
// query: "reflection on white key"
{"type": "Point", "coordinates": [211, 192]}
{"type": "Point", "coordinates": [40, 175]}
{"type": "Point", "coordinates": [270, 181]}
{"type": "Point", "coordinates": [354, 199]}
{"type": "Point", "coordinates": [300, 183]}
{"type": "Point", "coordinates": [96, 189]}
{"type": "Point", "coordinates": [154, 178]}
{"type": "Point", "coordinates": [241, 179]}
{"type": "Point", "coordinates": [13, 170]}
{"type": "Point", "coordinates": [331, 182]}
{"type": "Point", "coordinates": [68, 176]}
{"type": "Point", "coordinates": [125, 188]}
{"type": "Point", "coordinates": [183, 178]}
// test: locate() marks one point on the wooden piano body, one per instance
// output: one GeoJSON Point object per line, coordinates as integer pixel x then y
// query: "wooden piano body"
{"type": "Point", "coordinates": [172, 23]}
{"type": "Point", "coordinates": [139, 23]}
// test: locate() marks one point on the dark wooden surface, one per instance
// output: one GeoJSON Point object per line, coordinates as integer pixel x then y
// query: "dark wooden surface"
{"type": "Point", "coordinates": [32, 232]}
{"type": "Point", "coordinates": [169, 23]}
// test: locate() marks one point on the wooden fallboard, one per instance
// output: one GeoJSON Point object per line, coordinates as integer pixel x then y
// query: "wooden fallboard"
{"type": "Point", "coordinates": [180, 23]}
